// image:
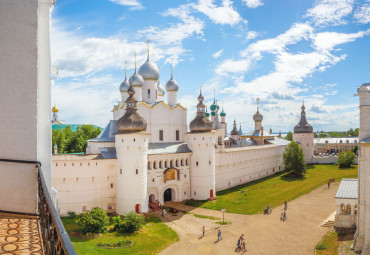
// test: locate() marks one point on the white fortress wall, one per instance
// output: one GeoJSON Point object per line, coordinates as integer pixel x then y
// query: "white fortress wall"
{"type": "Point", "coordinates": [235, 166]}
{"type": "Point", "coordinates": [84, 182]}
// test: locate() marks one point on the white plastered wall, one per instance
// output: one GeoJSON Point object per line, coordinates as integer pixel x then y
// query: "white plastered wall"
{"type": "Point", "coordinates": [306, 143]}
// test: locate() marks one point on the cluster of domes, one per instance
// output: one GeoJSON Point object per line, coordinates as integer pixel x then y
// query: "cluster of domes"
{"type": "Point", "coordinates": [303, 126]}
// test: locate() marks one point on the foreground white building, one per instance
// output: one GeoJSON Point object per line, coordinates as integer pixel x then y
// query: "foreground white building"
{"type": "Point", "coordinates": [362, 236]}
{"type": "Point", "coordinates": [146, 152]}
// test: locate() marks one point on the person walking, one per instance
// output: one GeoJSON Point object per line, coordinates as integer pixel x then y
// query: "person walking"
{"type": "Point", "coordinates": [219, 235]}
{"type": "Point", "coordinates": [164, 213]}
{"type": "Point", "coordinates": [204, 230]}
{"type": "Point", "coordinates": [329, 184]}
{"type": "Point", "coordinates": [285, 205]}
{"type": "Point", "coordinates": [282, 214]}
{"type": "Point", "coordinates": [284, 218]}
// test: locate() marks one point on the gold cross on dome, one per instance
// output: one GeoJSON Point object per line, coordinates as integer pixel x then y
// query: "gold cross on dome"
{"type": "Point", "coordinates": [147, 42]}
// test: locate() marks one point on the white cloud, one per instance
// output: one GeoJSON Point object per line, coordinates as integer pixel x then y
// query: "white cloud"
{"type": "Point", "coordinates": [251, 35]}
{"type": "Point", "coordinates": [133, 4]}
{"type": "Point", "coordinates": [217, 54]}
{"type": "Point", "coordinates": [253, 3]}
{"type": "Point", "coordinates": [330, 12]}
{"type": "Point", "coordinates": [232, 66]}
{"type": "Point", "coordinates": [293, 35]}
{"type": "Point", "coordinates": [362, 14]}
{"type": "Point", "coordinates": [326, 41]}
{"type": "Point", "coordinates": [223, 14]}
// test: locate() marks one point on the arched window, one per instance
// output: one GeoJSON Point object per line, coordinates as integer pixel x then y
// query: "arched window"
{"type": "Point", "coordinates": [177, 162]}
{"type": "Point", "coordinates": [182, 162]}
{"type": "Point", "coordinates": [187, 162]}
{"type": "Point", "coordinates": [355, 210]}
{"type": "Point", "coordinates": [171, 163]}
{"type": "Point", "coordinates": [155, 165]}
{"type": "Point", "coordinates": [166, 163]}
{"type": "Point", "coordinates": [160, 164]}
{"type": "Point", "coordinates": [149, 165]}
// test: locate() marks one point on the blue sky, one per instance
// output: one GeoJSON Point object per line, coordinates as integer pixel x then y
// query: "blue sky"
{"type": "Point", "coordinates": [281, 51]}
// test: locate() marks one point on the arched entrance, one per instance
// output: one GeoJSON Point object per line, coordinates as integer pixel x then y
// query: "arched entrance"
{"type": "Point", "coordinates": [152, 198]}
{"type": "Point", "coordinates": [168, 195]}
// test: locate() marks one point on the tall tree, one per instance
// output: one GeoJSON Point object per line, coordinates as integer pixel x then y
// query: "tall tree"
{"type": "Point", "coordinates": [289, 136]}
{"type": "Point", "coordinates": [293, 160]}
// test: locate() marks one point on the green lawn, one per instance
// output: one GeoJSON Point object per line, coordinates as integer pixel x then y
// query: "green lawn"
{"type": "Point", "coordinates": [153, 237]}
{"type": "Point", "coordinates": [252, 197]}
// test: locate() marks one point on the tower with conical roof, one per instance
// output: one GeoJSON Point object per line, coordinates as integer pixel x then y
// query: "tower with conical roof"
{"type": "Point", "coordinates": [201, 140]}
{"type": "Point", "coordinates": [131, 142]}
{"type": "Point", "coordinates": [303, 135]}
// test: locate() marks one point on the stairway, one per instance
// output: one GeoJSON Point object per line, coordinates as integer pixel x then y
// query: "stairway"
{"type": "Point", "coordinates": [328, 224]}
{"type": "Point", "coordinates": [154, 206]}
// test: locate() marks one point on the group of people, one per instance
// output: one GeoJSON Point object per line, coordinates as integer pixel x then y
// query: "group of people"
{"type": "Point", "coordinates": [241, 243]}
{"type": "Point", "coordinates": [283, 212]}
{"type": "Point", "coordinates": [268, 210]}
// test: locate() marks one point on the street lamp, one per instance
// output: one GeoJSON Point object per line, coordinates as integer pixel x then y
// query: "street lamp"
{"type": "Point", "coordinates": [223, 215]}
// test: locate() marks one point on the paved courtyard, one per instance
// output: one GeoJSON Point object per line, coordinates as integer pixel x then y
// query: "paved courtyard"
{"type": "Point", "coordinates": [265, 234]}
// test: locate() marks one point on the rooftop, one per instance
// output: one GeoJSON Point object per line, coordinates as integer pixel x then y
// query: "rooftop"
{"type": "Point", "coordinates": [347, 189]}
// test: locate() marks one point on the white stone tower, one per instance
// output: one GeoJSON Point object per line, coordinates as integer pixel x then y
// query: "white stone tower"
{"type": "Point", "coordinates": [362, 236]}
{"type": "Point", "coordinates": [150, 73]}
{"type": "Point", "coordinates": [303, 135]}
{"type": "Point", "coordinates": [201, 140]}
{"type": "Point", "coordinates": [132, 153]}
{"type": "Point", "coordinates": [172, 88]}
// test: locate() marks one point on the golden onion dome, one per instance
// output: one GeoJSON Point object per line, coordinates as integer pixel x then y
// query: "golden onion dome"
{"type": "Point", "coordinates": [55, 109]}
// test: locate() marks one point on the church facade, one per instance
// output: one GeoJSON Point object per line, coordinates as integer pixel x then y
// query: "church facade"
{"type": "Point", "coordinates": [146, 155]}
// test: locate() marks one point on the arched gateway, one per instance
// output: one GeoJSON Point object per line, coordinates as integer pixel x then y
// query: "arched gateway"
{"type": "Point", "coordinates": [169, 195]}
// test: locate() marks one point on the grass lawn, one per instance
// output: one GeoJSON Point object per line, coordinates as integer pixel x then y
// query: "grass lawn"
{"type": "Point", "coordinates": [335, 244]}
{"type": "Point", "coordinates": [153, 237]}
{"type": "Point", "coordinates": [252, 197]}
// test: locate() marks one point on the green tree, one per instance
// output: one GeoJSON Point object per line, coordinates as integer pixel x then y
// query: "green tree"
{"type": "Point", "coordinates": [289, 136]}
{"type": "Point", "coordinates": [293, 159]}
{"type": "Point", "coordinates": [73, 142]}
{"type": "Point", "coordinates": [355, 149]}
{"type": "Point", "coordinates": [346, 159]}
{"type": "Point", "coordinates": [94, 221]}
{"type": "Point", "coordinates": [355, 133]}
{"type": "Point", "coordinates": [323, 134]}
{"type": "Point", "coordinates": [131, 223]}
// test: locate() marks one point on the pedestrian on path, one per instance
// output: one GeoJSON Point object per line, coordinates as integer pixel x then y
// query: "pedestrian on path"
{"type": "Point", "coordinates": [285, 205]}
{"type": "Point", "coordinates": [204, 230]}
{"type": "Point", "coordinates": [219, 235]}
{"type": "Point", "coordinates": [164, 213]}
{"type": "Point", "coordinates": [284, 218]}
{"type": "Point", "coordinates": [282, 214]}
{"type": "Point", "coordinates": [329, 184]}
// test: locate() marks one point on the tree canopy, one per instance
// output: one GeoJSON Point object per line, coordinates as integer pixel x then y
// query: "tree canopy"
{"type": "Point", "coordinates": [289, 136]}
{"type": "Point", "coordinates": [73, 142]}
{"type": "Point", "coordinates": [346, 159]}
{"type": "Point", "coordinates": [293, 160]}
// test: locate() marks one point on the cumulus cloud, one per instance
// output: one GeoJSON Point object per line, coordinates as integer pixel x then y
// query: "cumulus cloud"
{"type": "Point", "coordinates": [251, 35]}
{"type": "Point", "coordinates": [224, 14]}
{"type": "Point", "coordinates": [362, 14]}
{"type": "Point", "coordinates": [133, 4]}
{"type": "Point", "coordinates": [253, 3]}
{"type": "Point", "coordinates": [232, 66]}
{"type": "Point", "coordinates": [330, 12]}
{"type": "Point", "coordinates": [217, 54]}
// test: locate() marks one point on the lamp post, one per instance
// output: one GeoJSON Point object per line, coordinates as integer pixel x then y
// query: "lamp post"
{"type": "Point", "coordinates": [223, 215]}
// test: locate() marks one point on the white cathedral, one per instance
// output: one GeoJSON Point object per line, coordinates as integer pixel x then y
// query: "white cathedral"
{"type": "Point", "coordinates": [147, 155]}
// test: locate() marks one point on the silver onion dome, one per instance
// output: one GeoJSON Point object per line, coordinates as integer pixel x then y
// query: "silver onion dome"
{"type": "Point", "coordinates": [161, 90]}
{"type": "Point", "coordinates": [172, 85]}
{"type": "Point", "coordinates": [136, 80]}
{"type": "Point", "coordinates": [124, 86]}
{"type": "Point", "coordinates": [258, 116]}
{"type": "Point", "coordinates": [149, 70]}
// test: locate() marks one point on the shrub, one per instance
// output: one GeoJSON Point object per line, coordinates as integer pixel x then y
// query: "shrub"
{"type": "Point", "coordinates": [320, 246]}
{"type": "Point", "coordinates": [131, 223]}
{"type": "Point", "coordinates": [346, 159]}
{"type": "Point", "coordinates": [71, 214]}
{"type": "Point", "coordinates": [293, 159]}
{"type": "Point", "coordinates": [94, 221]}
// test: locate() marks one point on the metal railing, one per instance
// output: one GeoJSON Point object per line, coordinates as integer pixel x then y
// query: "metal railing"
{"type": "Point", "coordinates": [55, 239]}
